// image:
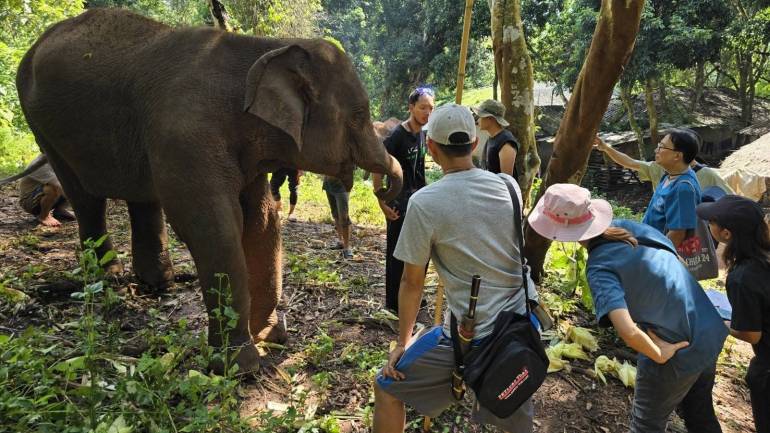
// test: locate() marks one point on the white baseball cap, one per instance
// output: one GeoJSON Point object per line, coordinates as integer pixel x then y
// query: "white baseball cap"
{"type": "Point", "coordinates": [450, 119]}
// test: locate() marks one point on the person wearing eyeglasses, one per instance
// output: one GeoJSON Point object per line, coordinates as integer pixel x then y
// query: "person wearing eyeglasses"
{"type": "Point", "coordinates": [672, 207]}
{"type": "Point", "coordinates": [652, 172]}
{"type": "Point", "coordinates": [407, 144]}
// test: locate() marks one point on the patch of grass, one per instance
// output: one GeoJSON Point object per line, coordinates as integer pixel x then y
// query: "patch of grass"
{"type": "Point", "coordinates": [471, 97]}
{"type": "Point", "coordinates": [28, 240]}
{"type": "Point", "coordinates": [318, 351]}
{"type": "Point", "coordinates": [313, 205]}
{"type": "Point", "coordinates": [364, 209]}
{"type": "Point", "coordinates": [312, 269]}
{"type": "Point", "coordinates": [366, 361]}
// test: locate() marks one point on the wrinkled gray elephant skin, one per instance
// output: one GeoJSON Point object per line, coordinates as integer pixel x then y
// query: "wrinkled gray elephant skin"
{"type": "Point", "coordinates": [187, 123]}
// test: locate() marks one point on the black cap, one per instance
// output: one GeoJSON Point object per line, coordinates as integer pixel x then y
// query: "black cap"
{"type": "Point", "coordinates": [733, 212]}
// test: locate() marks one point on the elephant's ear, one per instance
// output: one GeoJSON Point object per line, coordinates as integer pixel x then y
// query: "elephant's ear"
{"type": "Point", "coordinates": [279, 90]}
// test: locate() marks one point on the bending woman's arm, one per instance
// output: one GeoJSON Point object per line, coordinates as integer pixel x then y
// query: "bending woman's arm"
{"type": "Point", "coordinates": [648, 343]}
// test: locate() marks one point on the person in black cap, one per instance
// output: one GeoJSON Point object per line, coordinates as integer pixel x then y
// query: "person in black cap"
{"type": "Point", "coordinates": [739, 223]}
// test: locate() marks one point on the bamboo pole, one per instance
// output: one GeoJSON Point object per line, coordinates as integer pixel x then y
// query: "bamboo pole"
{"type": "Point", "coordinates": [426, 422]}
{"type": "Point", "coordinates": [463, 51]}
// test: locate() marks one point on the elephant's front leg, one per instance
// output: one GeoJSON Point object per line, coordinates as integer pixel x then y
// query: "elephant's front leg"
{"type": "Point", "coordinates": [208, 218]}
{"type": "Point", "coordinates": [262, 249]}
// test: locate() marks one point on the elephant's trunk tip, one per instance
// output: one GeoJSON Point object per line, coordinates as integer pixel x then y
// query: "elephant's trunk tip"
{"type": "Point", "coordinates": [395, 176]}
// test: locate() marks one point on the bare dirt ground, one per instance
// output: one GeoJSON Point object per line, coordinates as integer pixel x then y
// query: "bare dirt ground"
{"type": "Point", "coordinates": [321, 293]}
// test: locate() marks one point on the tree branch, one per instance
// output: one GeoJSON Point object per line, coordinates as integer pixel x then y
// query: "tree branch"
{"type": "Point", "coordinates": [741, 10]}
{"type": "Point", "coordinates": [725, 74]}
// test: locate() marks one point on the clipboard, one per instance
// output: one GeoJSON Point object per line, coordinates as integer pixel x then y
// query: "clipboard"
{"type": "Point", "coordinates": [721, 303]}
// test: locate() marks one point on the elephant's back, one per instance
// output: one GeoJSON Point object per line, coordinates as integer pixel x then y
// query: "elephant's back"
{"type": "Point", "coordinates": [87, 49]}
{"type": "Point", "coordinates": [77, 92]}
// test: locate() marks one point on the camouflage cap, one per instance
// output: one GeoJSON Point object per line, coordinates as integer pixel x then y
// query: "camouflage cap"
{"type": "Point", "coordinates": [492, 108]}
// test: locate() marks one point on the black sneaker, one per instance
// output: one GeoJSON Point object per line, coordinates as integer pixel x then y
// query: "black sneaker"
{"type": "Point", "coordinates": [347, 254]}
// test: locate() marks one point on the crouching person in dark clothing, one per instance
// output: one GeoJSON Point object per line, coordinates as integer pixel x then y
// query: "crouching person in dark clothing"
{"type": "Point", "coordinates": [443, 223]}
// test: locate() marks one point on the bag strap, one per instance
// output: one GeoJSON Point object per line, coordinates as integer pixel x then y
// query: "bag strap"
{"type": "Point", "coordinates": [520, 237]}
{"type": "Point", "coordinates": [691, 232]}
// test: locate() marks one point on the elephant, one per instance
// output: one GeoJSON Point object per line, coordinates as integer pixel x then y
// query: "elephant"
{"type": "Point", "coordinates": [187, 123]}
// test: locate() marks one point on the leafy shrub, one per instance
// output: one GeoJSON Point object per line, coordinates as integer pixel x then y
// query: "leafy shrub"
{"type": "Point", "coordinates": [78, 382]}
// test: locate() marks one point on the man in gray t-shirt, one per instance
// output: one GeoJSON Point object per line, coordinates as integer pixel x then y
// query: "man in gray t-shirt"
{"type": "Point", "coordinates": [464, 223]}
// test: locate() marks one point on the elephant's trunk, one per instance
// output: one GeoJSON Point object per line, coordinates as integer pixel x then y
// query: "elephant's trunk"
{"type": "Point", "coordinates": [396, 177]}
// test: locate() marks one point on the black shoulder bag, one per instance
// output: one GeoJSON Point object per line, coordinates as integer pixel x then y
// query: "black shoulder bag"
{"type": "Point", "coordinates": [511, 365]}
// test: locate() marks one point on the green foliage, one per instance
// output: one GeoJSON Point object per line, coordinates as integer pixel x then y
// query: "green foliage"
{"type": "Point", "coordinates": [172, 12]}
{"type": "Point", "coordinates": [565, 263]}
{"type": "Point", "coordinates": [79, 382]}
{"type": "Point", "coordinates": [366, 361]}
{"type": "Point", "coordinates": [277, 18]}
{"type": "Point", "coordinates": [17, 148]}
{"type": "Point", "coordinates": [392, 54]}
{"type": "Point", "coordinates": [318, 351]}
{"type": "Point", "coordinates": [21, 22]}
{"type": "Point", "coordinates": [311, 269]}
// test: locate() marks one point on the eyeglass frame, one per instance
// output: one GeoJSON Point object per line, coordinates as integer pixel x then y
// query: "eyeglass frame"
{"type": "Point", "coordinates": [661, 146]}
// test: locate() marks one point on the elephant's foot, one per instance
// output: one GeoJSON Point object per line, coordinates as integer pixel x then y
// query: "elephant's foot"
{"type": "Point", "coordinates": [161, 280]}
{"type": "Point", "coordinates": [156, 272]}
{"type": "Point", "coordinates": [247, 360]}
{"type": "Point", "coordinates": [275, 333]}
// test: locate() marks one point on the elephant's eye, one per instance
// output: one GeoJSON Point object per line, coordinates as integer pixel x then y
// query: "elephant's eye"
{"type": "Point", "coordinates": [359, 114]}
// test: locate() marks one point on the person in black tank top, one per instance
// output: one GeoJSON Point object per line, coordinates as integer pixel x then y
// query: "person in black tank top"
{"type": "Point", "coordinates": [499, 155]}
{"type": "Point", "coordinates": [407, 144]}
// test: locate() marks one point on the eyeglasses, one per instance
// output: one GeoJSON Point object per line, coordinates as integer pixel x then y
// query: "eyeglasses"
{"type": "Point", "coordinates": [660, 146]}
{"type": "Point", "coordinates": [424, 91]}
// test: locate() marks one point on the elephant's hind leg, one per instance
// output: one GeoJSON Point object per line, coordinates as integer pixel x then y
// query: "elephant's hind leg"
{"type": "Point", "coordinates": [262, 248]}
{"type": "Point", "coordinates": [149, 245]}
{"type": "Point", "coordinates": [90, 210]}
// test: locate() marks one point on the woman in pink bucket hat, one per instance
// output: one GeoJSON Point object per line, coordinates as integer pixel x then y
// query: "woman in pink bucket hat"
{"type": "Point", "coordinates": [640, 287]}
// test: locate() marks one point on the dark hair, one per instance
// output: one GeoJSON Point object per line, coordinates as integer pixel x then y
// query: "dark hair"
{"type": "Point", "coordinates": [685, 141]}
{"type": "Point", "coordinates": [422, 90]}
{"type": "Point", "coordinates": [617, 234]}
{"type": "Point", "coordinates": [747, 245]}
{"type": "Point", "coordinates": [456, 150]}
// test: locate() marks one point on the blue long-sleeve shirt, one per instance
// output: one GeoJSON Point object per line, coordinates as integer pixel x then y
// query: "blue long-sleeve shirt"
{"type": "Point", "coordinates": [658, 292]}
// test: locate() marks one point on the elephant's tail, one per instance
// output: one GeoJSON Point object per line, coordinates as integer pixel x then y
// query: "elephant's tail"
{"type": "Point", "coordinates": [34, 166]}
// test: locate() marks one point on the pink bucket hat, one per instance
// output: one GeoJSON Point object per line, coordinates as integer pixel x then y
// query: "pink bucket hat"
{"type": "Point", "coordinates": [567, 213]}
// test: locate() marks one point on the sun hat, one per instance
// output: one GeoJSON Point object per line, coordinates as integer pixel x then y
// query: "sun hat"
{"type": "Point", "coordinates": [492, 108]}
{"type": "Point", "coordinates": [567, 213]}
{"type": "Point", "coordinates": [733, 212]}
{"type": "Point", "coordinates": [450, 119]}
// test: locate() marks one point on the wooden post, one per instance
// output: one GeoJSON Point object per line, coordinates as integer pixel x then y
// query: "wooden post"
{"type": "Point", "coordinates": [426, 422]}
{"type": "Point", "coordinates": [463, 51]}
